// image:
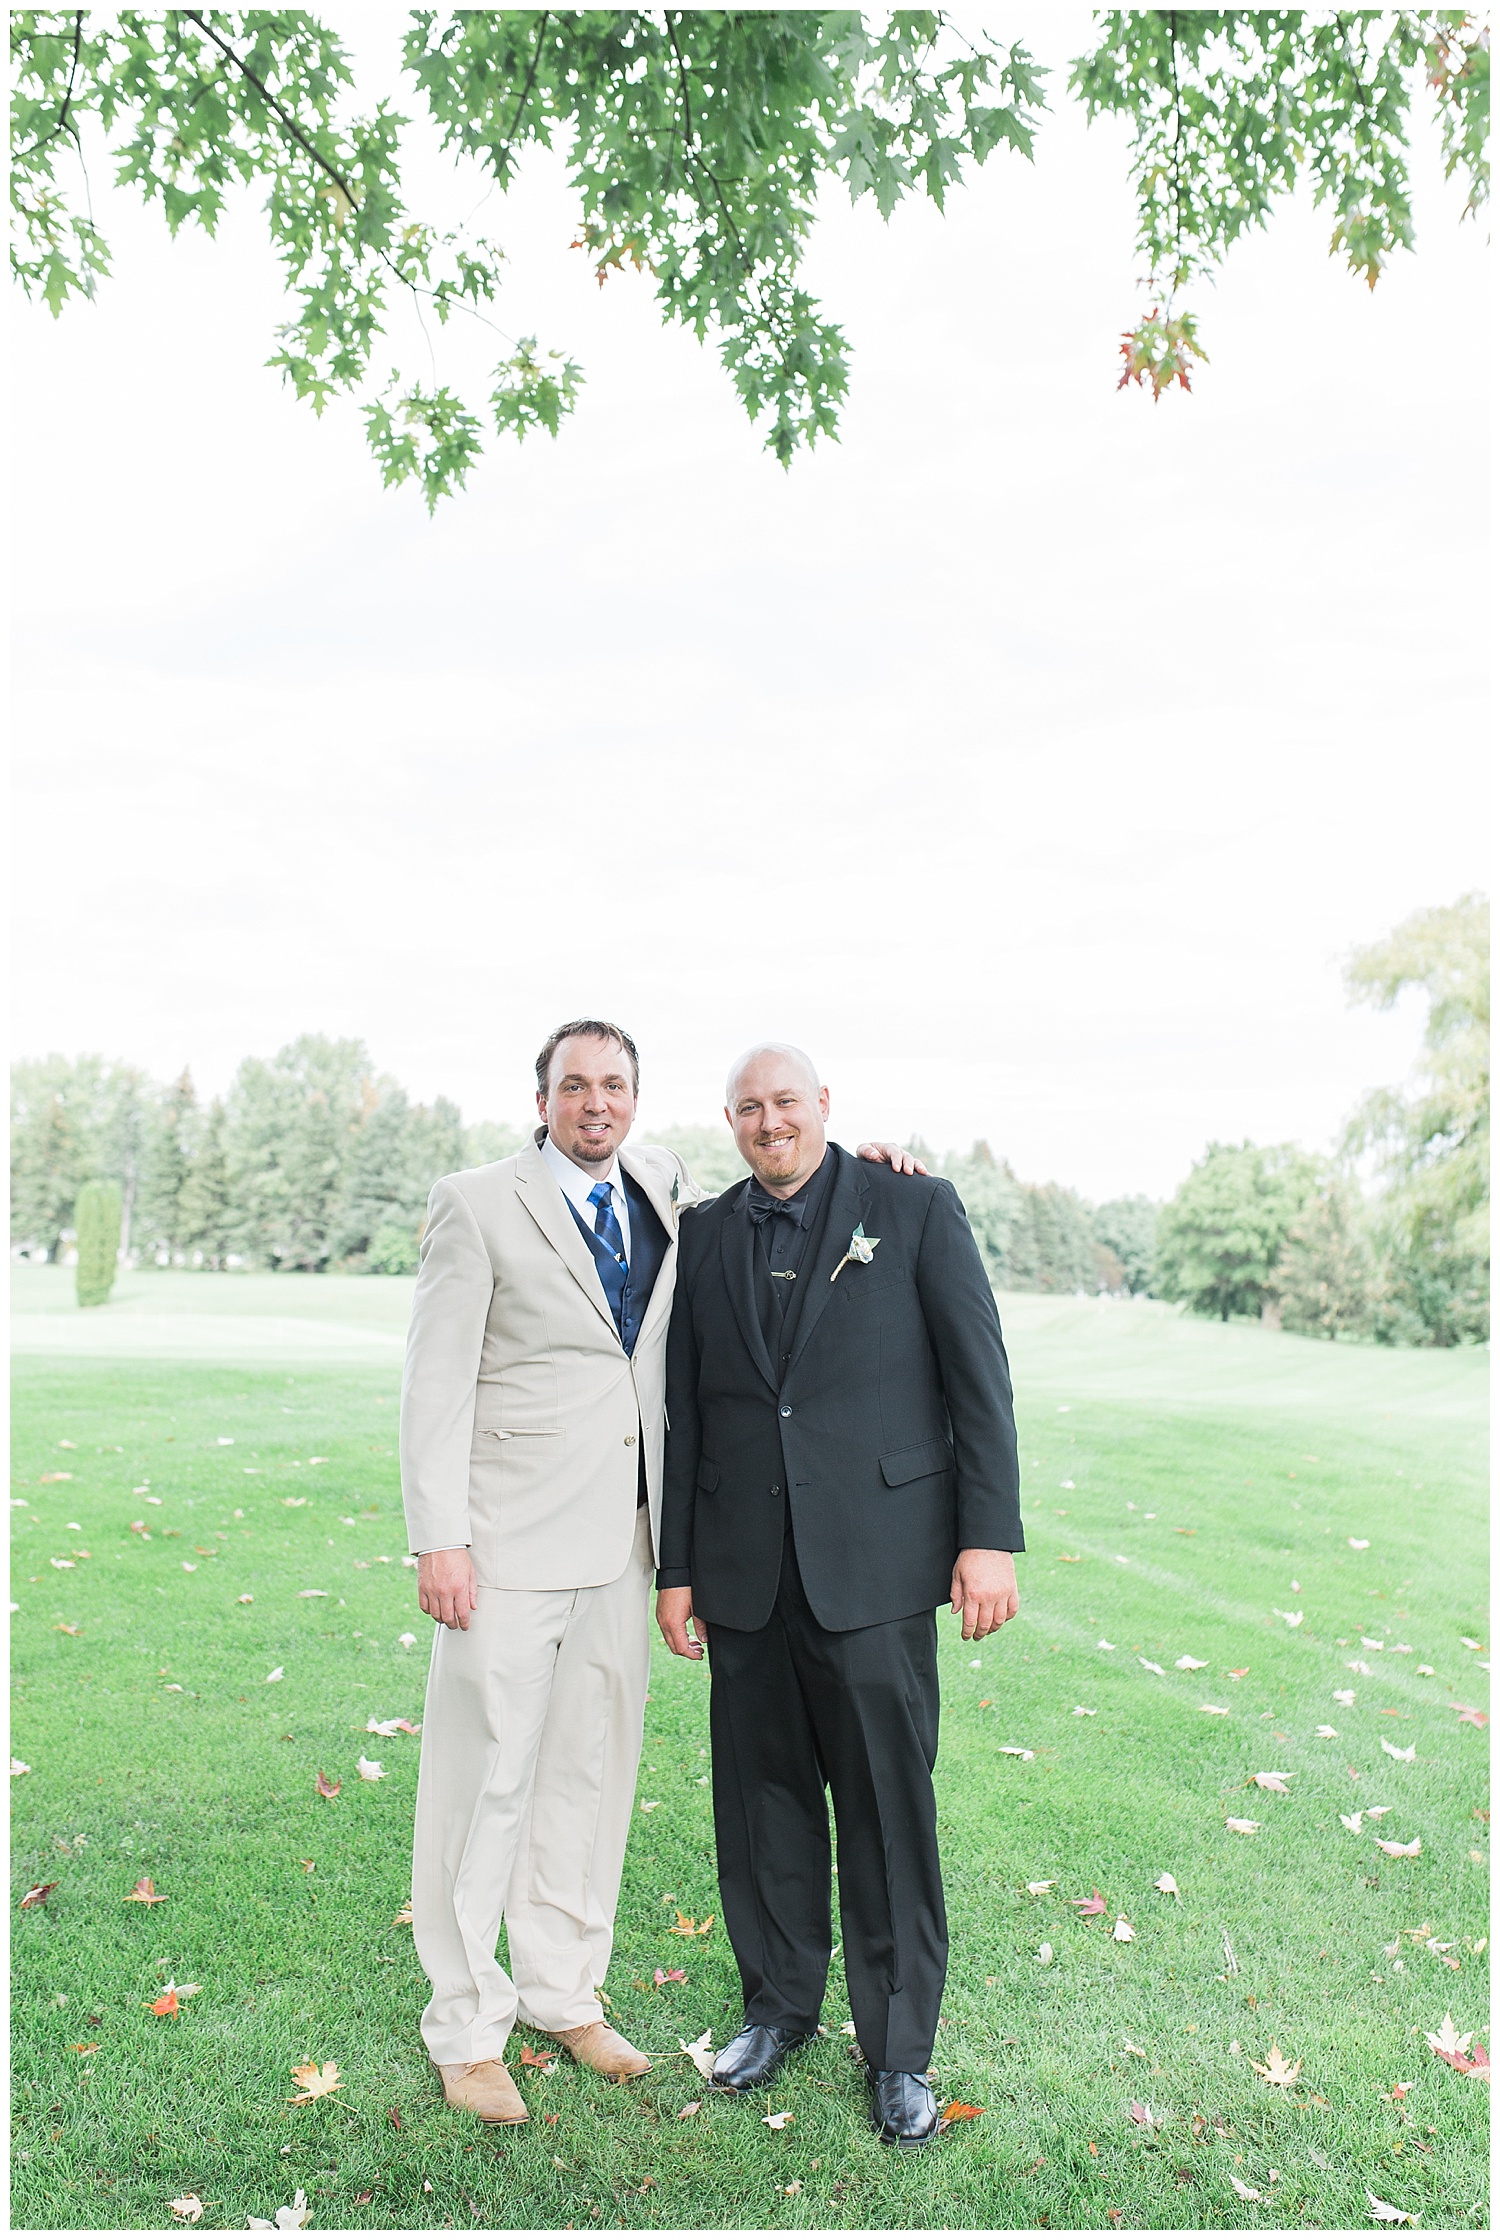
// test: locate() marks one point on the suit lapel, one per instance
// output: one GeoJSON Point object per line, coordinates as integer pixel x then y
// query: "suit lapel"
{"type": "Point", "coordinates": [658, 1191]}
{"type": "Point", "coordinates": [545, 1203]}
{"type": "Point", "coordinates": [737, 1245]}
{"type": "Point", "coordinates": [848, 1198]}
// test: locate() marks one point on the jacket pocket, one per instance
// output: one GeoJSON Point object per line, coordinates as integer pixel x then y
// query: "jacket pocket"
{"type": "Point", "coordinates": [926, 1461]}
{"type": "Point", "coordinates": [519, 1431]}
{"type": "Point", "coordinates": [708, 1474]}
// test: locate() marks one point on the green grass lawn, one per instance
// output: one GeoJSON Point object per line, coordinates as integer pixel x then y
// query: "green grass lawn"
{"type": "Point", "coordinates": [1179, 1479]}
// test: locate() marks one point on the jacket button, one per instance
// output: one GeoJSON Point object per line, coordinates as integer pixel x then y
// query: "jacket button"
{"type": "Point", "coordinates": [775, 1490]}
{"type": "Point", "coordinates": [630, 1438]}
{"type": "Point", "coordinates": [786, 1411]}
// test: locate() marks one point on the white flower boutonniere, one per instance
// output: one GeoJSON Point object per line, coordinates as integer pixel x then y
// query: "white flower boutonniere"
{"type": "Point", "coordinates": [861, 1249]}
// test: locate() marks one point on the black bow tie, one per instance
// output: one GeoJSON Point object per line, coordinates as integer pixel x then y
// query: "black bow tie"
{"type": "Point", "coordinates": [760, 1207]}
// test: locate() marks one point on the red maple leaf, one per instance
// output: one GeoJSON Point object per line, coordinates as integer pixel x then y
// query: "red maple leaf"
{"type": "Point", "coordinates": [542, 2061]}
{"type": "Point", "coordinates": [668, 1975]}
{"type": "Point", "coordinates": [959, 2111]}
{"type": "Point", "coordinates": [38, 1894]}
{"type": "Point", "coordinates": [166, 2004]}
{"type": "Point", "coordinates": [327, 1788]}
{"type": "Point", "coordinates": [1469, 1717]}
{"type": "Point", "coordinates": [1096, 1904]}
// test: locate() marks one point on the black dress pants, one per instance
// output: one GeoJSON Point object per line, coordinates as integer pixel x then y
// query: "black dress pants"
{"type": "Point", "coordinates": [794, 1707]}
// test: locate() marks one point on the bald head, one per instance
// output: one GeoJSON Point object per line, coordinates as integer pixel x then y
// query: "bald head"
{"type": "Point", "coordinates": [779, 1114]}
{"type": "Point", "coordinates": [784, 1056]}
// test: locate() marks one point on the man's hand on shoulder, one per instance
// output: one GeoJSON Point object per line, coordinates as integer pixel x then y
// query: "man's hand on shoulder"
{"type": "Point", "coordinates": [446, 1586]}
{"type": "Point", "coordinates": [674, 1614]}
{"type": "Point", "coordinates": [892, 1155]}
{"type": "Point", "coordinates": [984, 1589]}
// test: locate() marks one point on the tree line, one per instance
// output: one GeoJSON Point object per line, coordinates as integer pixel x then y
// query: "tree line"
{"type": "Point", "coordinates": [315, 1162]}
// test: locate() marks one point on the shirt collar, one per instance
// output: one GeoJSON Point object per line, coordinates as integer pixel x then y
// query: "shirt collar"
{"type": "Point", "coordinates": [572, 1180]}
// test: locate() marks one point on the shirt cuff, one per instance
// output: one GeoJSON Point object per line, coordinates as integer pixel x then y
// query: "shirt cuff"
{"type": "Point", "coordinates": [673, 1579]}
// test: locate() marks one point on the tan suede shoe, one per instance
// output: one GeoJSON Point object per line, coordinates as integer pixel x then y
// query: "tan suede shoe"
{"type": "Point", "coordinates": [594, 2045]}
{"type": "Point", "coordinates": [485, 2088]}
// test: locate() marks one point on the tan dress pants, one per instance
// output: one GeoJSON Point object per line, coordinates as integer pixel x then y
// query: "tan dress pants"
{"type": "Point", "coordinates": [531, 1738]}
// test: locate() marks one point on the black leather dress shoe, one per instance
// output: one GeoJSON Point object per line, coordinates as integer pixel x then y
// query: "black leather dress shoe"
{"type": "Point", "coordinates": [753, 2058]}
{"type": "Point", "coordinates": [902, 2108]}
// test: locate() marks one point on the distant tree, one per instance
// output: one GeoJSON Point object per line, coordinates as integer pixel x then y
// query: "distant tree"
{"type": "Point", "coordinates": [172, 1129]}
{"type": "Point", "coordinates": [205, 1215]}
{"type": "Point", "coordinates": [394, 1157]}
{"type": "Point", "coordinates": [709, 1154]}
{"type": "Point", "coordinates": [97, 1219]}
{"type": "Point", "coordinates": [1431, 1147]}
{"type": "Point", "coordinates": [1221, 1237]}
{"type": "Point", "coordinates": [50, 1152]}
{"type": "Point", "coordinates": [289, 1126]}
{"type": "Point", "coordinates": [1126, 1227]}
{"type": "Point", "coordinates": [488, 1140]}
{"type": "Point", "coordinates": [992, 1199]}
{"type": "Point", "coordinates": [1052, 1247]}
{"type": "Point", "coordinates": [1322, 1280]}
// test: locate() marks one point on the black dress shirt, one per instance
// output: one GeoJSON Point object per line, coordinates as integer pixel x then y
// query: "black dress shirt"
{"type": "Point", "coordinates": [785, 1228]}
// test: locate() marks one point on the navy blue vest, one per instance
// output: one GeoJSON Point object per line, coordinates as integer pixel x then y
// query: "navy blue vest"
{"type": "Point", "coordinates": [648, 1249]}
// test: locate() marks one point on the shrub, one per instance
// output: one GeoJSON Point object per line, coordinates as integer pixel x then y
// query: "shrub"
{"type": "Point", "coordinates": [96, 1217]}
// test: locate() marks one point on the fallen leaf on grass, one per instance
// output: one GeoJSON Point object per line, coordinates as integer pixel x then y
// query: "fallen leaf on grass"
{"type": "Point", "coordinates": [60, 1563]}
{"type": "Point", "coordinates": [1242, 1827]}
{"type": "Point", "coordinates": [794, 2187]}
{"type": "Point", "coordinates": [1292, 1617]}
{"type": "Point", "coordinates": [93, 2048]}
{"type": "Point", "coordinates": [542, 2061]}
{"type": "Point", "coordinates": [1122, 1931]}
{"type": "Point", "coordinates": [316, 2082]}
{"type": "Point", "coordinates": [1039, 1889]}
{"type": "Point", "coordinates": [686, 1926]}
{"type": "Point", "coordinates": [1449, 2046]}
{"type": "Point", "coordinates": [1385, 2212]}
{"type": "Point", "coordinates": [1165, 1883]}
{"type": "Point", "coordinates": [289, 2220]}
{"type": "Point", "coordinates": [1191, 1664]}
{"type": "Point", "coordinates": [1326, 1734]}
{"type": "Point", "coordinates": [1467, 1643]}
{"type": "Point", "coordinates": [244, 1598]}
{"type": "Point", "coordinates": [1044, 1955]}
{"type": "Point", "coordinates": [38, 1894]}
{"type": "Point", "coordinates": [1015, 1750]}
{"type": "Point", "coordinates": [1400, 1850]}
{"type": "Point", "coordinates": [1150, 1667]}
{"type": "Point", "coordinates": [1378, 1811]}
{"type": "Point", "coordinates": [312, 1594]}
{"type": "Point", "coordinates": [406, 1640]}
{"type": "Point", "coordinates": [1406, 1756]}
{"type": "Point", "coordinates": [1215, 1710]}
{"type": "Point", "coordinates": [1239, 1672]}
{"type": "Point", "coordinates": [327, 1788]}
{"type": "Point", "coordinates": [691, 2109]}
{"type": "Point", "coordinates": [1276, 1782]}
{"type": "Point", "coordinates": [659, 1976]}
{"type": "Point", "coordinates": [1141, 2112]}
{"type": "Point", "coordinates": [18, 1766]}
{"type": "Point", "coordinates": [1070, 1559]}
{"type": "Point", "coordinates": [145, 1893]}
{"type": "Point", "coordinates": [1082, 1711]}
{"type": "Point", "coordinates": [187, 2205]}
{"type": "Point", "coordinates": [1087, 1906]}
{"type": "Point", "coordinates": [700, 2053]}
{"type": "Point", "coordinates": [403, 1918]}
{"type": "Point", "coordinates": [1139, 2051]}
{"type": "Point", "coordinates": [778, 2122]}
{"type": "Point", "coordinates": [1106, 1644]}
{"type": "Point", "coordinates": [650, 1804]}
{"type": "Point", "coordinates": [959, 2111]}
{"type": "Point", "coordinates": [1275, 2068]}
{"type": "Point", "coordinates": [370, 1769]}
{"type": "Point", "coordinates": [1359, 1543]}
{"type": "Point", "coordinates": [278, 1674]}
{"type": "Point", "coordinates": [65, 1477]}
{"type": "Point", "coordinates": [75, 1630]}
{"type": "Point", "coordinates": [1353, 1821]}
{"type": "Point", "coordinates": [1246, 2193]}
{"type": "Point", "coordinates": [1469, 1717]}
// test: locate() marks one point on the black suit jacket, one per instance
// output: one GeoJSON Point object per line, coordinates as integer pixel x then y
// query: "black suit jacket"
{"type": "Point", "coordinates": [890, 1433]}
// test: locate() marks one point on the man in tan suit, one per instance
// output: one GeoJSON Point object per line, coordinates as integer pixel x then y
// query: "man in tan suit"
{"type": "Point", "coordinates": [532, 1420]}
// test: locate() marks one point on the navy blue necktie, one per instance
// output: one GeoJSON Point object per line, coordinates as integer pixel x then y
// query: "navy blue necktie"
{"type": "Point", "coordinates": [613, 1270]}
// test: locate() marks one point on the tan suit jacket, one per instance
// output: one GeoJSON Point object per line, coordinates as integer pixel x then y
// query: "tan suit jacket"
{"type": "Point", "coordinates": [520, 1410]}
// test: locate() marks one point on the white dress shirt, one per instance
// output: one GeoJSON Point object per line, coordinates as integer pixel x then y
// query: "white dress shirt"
{"type": "Point", "coordinates": [576, 1183]}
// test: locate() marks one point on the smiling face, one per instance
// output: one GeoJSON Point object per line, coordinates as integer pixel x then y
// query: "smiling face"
{"type": "Point", "coordinates": [779, 1115]}
{"type": "Point", "coordinates": [589, 1102]}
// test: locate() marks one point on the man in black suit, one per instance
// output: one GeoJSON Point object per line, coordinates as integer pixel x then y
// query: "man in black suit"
{"type": "Point", "coordinates": [841, 1459]}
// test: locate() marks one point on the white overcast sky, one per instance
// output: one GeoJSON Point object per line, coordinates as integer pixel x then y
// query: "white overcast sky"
{"type": "Point", "coordinates": [1032, 755]}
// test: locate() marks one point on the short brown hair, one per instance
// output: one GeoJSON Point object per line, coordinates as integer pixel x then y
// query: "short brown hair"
{"type": "Point", "coordinates": [599, 1030]}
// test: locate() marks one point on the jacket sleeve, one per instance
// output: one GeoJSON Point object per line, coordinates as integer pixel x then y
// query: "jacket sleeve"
{"type": "Point", "coordinates": [455, 1283]}
{"type": "Point", "coordinates": [964, 1327]}
{"type": "Point", "coordinates": [684, 1436]}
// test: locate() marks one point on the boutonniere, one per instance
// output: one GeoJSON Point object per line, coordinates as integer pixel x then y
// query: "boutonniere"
{"type": "Point", "coordinates": [861, 1249]}
{"type": "Point", "coordinates": [676, 1180]}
